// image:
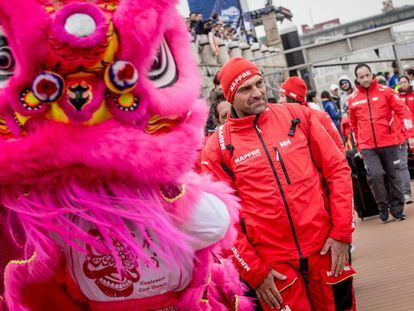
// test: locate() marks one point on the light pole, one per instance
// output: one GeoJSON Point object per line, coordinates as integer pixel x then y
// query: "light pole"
{"type": "Point", "coordinates": [243, 27]}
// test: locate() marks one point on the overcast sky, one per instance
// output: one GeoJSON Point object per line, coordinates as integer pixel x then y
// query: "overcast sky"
{"type": "Point", "coordinates": [304, 11]}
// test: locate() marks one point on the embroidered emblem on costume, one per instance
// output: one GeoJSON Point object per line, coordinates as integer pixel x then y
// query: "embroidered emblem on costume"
{"type": "Point", "coordinates": [172, 193]}
{"type": "Point", "coordinates": [102, 268]}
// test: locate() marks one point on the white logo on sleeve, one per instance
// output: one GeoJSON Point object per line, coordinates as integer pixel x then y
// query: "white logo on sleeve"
{"type": "Point", "coordinates": [221, 138]}
{"type": "Point", "coordinates": [243, 263]}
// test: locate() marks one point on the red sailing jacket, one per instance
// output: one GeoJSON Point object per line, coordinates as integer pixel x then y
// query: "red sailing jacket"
{"type": "Point", "coordinates": [408, 99]}
{"type": "Point", "coordinates": [276, 176]}
{"type": "Point", "coordinates": [398, 127]}
{"type": "Point", "coordinates": [371, 113]}
{"type": "Point", "coordinates": [330, 127]}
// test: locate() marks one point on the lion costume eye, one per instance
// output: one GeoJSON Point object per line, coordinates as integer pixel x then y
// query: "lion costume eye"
{"type": "Point", "coordinates": [164, 71]}
{"type": "Point", "coordinates": [7, 62]}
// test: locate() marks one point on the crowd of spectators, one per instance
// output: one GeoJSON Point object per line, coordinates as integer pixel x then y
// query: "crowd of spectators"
{"type": "Point", "coordinates": [212, 26]}
{"type": "Point", "coordinates": [334, 101]}
{"type": "Point", "coordinates": [385, 78]}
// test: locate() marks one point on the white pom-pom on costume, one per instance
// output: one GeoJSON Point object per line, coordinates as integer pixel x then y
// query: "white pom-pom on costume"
{"type": "Point", "coordinates": [80, 25]}
{"type": "Point", "coordinates": [208, 223]}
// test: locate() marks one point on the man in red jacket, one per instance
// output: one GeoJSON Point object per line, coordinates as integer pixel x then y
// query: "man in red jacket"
{"type": "Point", "coordinates": [294, 90]}
{"type": "Point", "coordinates": [291, 248]}
{"type": "Point", "coordinates": [404, 138]}
{"type": "Point", "coordinates": [371, 110]}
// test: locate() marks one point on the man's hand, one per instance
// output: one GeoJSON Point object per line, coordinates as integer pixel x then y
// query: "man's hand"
{"type": "Point", "coordinates": [408, 124]}
{"type": "Point", "coordinates": [339, 255]}
{"type": "Point", "coordinates": [267, 291]}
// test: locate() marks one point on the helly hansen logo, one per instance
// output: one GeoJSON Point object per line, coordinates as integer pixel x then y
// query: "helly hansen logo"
{"type": "Point", "coordinates": [244, 264]}
{"type": "Point", "coordinates": [374, 99]}
{"type": "Point", "coordinates": [286, 308]}
{"type": "Point", "coordinates": [239, 78]}
{"type": "Point", "coordinates": [285, 143]}
{"type": "Point", "coordinates": [252, 154]}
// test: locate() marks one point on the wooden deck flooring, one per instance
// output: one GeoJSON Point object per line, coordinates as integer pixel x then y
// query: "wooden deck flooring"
{"type": "Point", "coordinates": [384, 260]}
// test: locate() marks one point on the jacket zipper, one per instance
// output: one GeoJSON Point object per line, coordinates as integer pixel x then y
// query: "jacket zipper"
{"type": "Point", "coordinates": [282, 164]}
{"type": "Point", "coordinates": [244, 228]}
{"type": "Point", "coordinates": [282, 193]}
{"type": "Point", "coordinates": [370, 115]}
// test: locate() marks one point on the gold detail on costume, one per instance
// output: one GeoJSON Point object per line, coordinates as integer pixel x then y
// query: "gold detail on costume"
{"type": "Point", "coordinates": [23, 261]}
{"type": "Point", "coordinates": [109, 54]}
{"type": "Point", "coordinates": [22, 119]}
{"type": "Point", "coordinates": [49, 9]}
{"type": "Point", "coordinates": [57, 114]}
{"type": "Point", "coordinates": [175, 197]}
{"type": "Point", "coordinates": [126, 100]}
{"type": "Point", "coordinates": [20, 262]}
{"type": "Point", "coordinates": [204, 298]}
{"type": "Point", "coordinates": [4, 129]}
{"type": "Point", "coordinates": [161, 125]}
{"type": "Point", "coordinates": [109, 6]}
{"type": "Point", "coordinates": [100, 115]}
{"type": "Point", "coordinates": [236, 303]}
{"type": "Point", "coordinates": [31, 100]}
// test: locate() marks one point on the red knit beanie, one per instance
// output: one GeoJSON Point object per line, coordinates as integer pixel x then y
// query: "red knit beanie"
{"type": "Point", "coordinates": [295, 88]}
{"type": "Point", "coordinates": [234, 73]}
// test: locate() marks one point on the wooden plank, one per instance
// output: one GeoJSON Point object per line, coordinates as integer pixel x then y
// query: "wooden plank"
{"type": "Point", "coordinates": [384, 260]}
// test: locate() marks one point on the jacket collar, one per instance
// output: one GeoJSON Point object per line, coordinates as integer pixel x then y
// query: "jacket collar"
{"type": "Point", "coordinates": [373, 86]}
{"type": "Point", "coordinates": [410, 89]}
{"type": "Point", "coordinates": [237, 123]}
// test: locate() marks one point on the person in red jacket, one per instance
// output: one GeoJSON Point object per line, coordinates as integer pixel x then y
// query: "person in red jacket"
{"type": "Point", "coordinates": [406, 93]}
{"type": "Point", "coordinates": [291, 248]}
{"type": "Point", "coordinates": [294, 90]}
{"type": "Point", "coordinates": [371, 109]}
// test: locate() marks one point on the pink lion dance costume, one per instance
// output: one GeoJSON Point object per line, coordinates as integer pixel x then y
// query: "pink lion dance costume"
{"type": "Point", "coordinates": [99, 123]}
